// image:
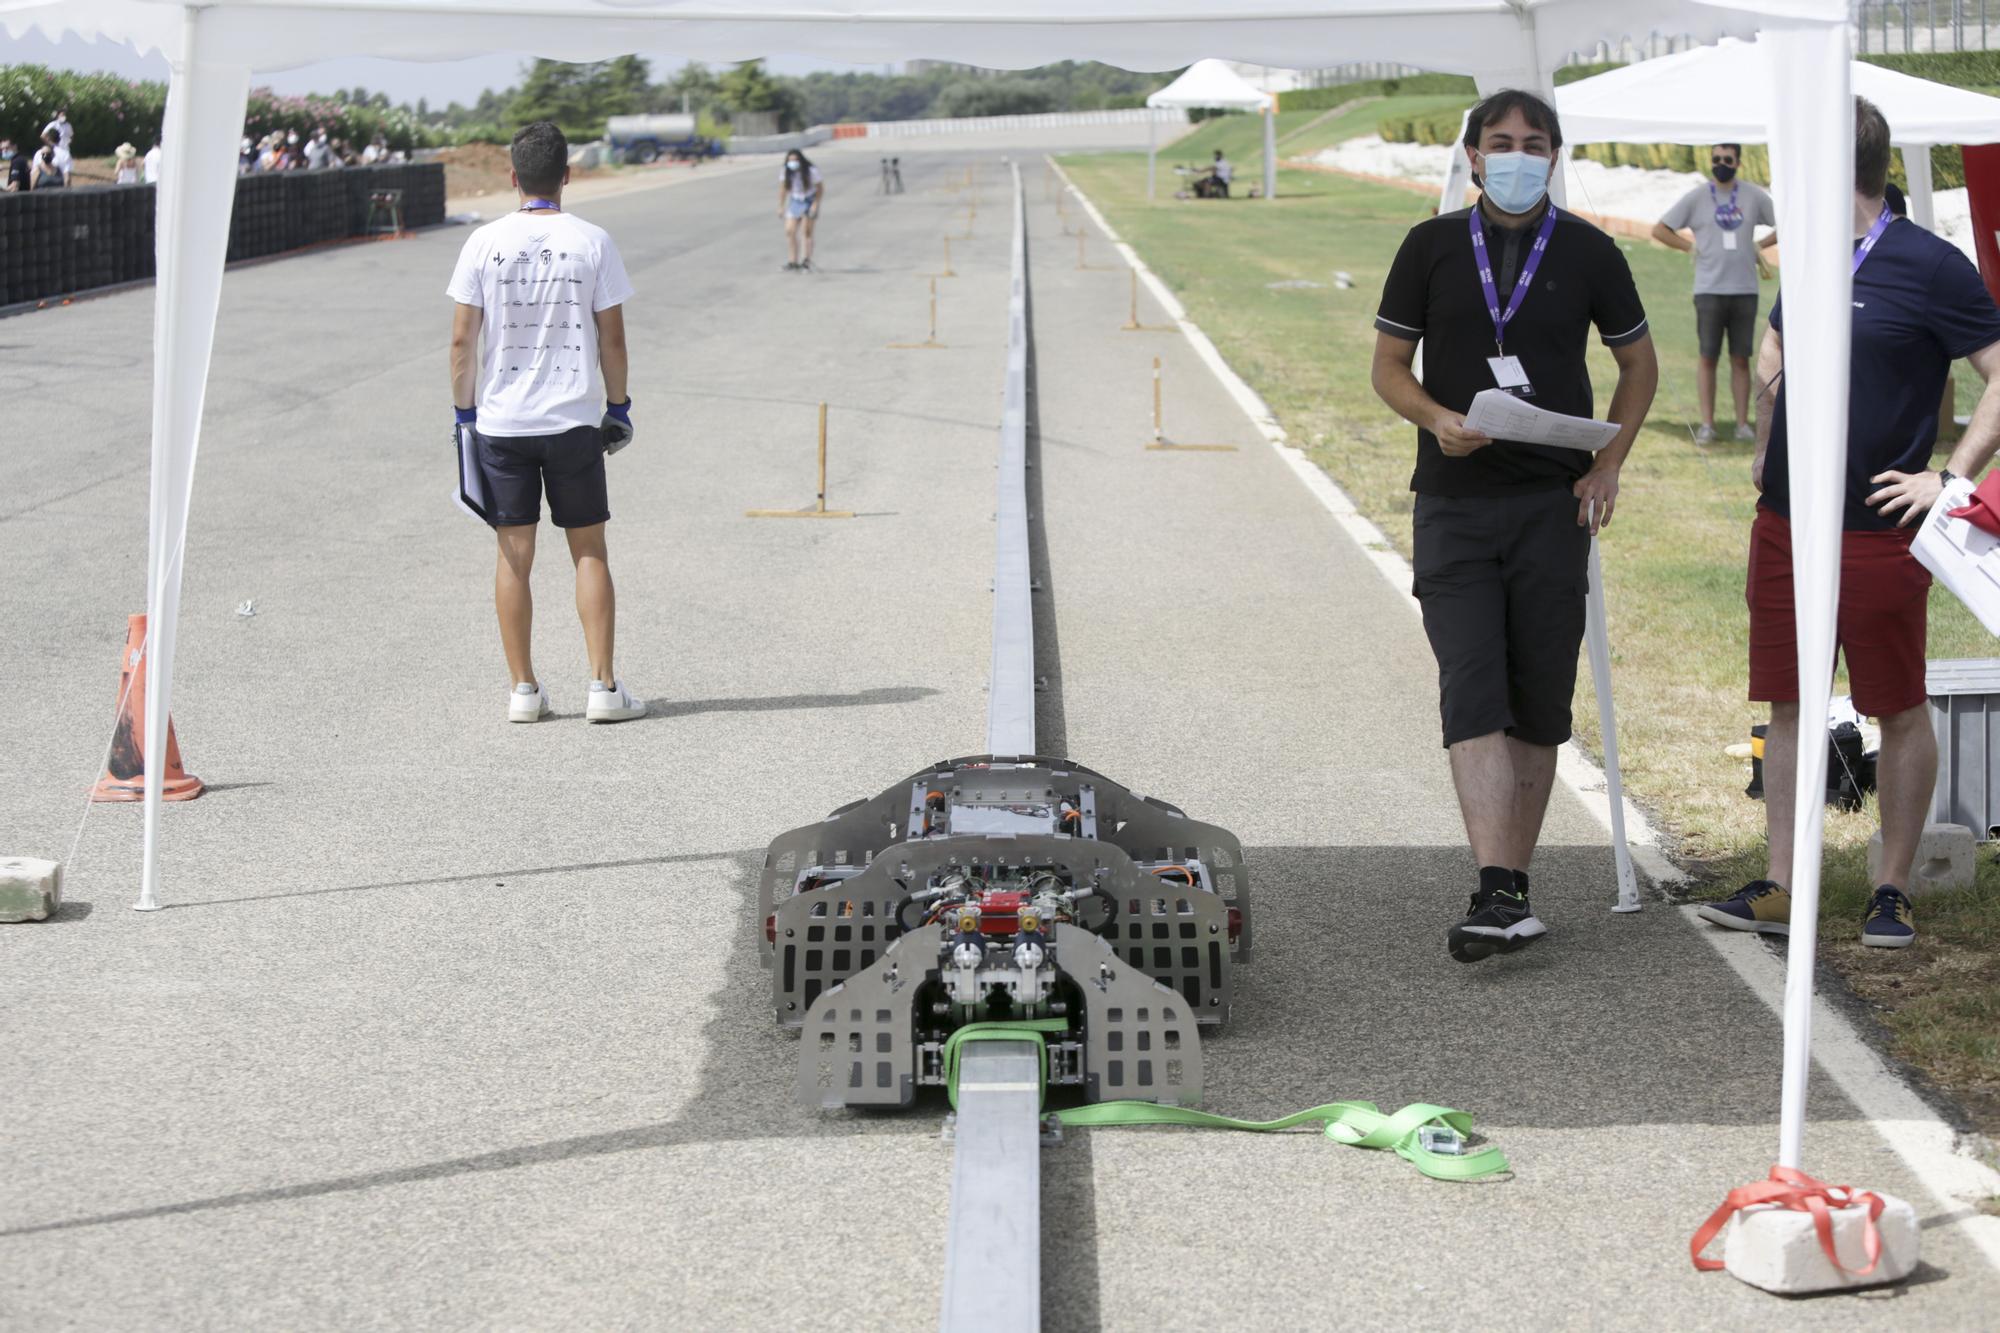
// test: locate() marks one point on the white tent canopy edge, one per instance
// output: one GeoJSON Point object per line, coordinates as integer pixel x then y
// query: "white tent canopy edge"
{"type": "Point", "coordinates": [1716, 94]}
{"type": "Point", "coordinates": [213, 49]}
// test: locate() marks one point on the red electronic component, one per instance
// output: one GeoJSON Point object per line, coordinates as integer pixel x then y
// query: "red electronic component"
{"type": "Point", "coordinates": [771, 929]}
{"type": "Point", "coordinates": [1000, 912]}
{"type": "Point", "coordinates": [1235, 923]}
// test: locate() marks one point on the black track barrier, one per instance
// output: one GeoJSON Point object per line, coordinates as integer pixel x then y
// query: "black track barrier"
{"type": "Point", "coordinates": [60, 243]}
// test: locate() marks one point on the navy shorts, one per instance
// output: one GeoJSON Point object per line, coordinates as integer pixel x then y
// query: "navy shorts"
{"type": "Point", "coordinates": [569, 465]}
{"type": "Point", "coordinates": [1501, 580]}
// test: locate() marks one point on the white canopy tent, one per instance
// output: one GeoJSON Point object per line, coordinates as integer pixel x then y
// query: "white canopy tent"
{"type": "Point", "coordinates": [1720, 94]}
{"type": "Point", "coordinates": [1210, 84]}
{"type": "Point", "coordinates": [214, 47]}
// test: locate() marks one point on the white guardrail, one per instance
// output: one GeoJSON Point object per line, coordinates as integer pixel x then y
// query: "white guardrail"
{"type": "Point", "coordinates": [1053, 120]}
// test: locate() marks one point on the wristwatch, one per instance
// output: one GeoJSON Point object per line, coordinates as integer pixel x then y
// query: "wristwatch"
{"type": "Point", "coordinates": [1946, 476]}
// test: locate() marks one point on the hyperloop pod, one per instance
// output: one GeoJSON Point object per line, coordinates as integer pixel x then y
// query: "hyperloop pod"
{"type": "Point", "coordinates": [1003, 889]}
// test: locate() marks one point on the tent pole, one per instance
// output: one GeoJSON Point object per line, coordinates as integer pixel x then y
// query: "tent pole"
{"type": "Point", "coordinates": [1812, 179]}
{"type": "Point", "coordinates": [1917, 168]}
{"type": "Point", "coordinates": [1152, 153]}
{"type": "Point", "coordinates": [197, 191]}
{"type": "Point", "coordinates": [1271, 149]}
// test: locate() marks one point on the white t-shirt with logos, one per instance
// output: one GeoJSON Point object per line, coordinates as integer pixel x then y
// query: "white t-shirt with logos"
{"type": "Point", "coordinates": [539, 277]}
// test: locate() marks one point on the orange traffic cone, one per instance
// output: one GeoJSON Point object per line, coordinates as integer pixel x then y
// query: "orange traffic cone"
{"type": "Point", "coordinates": [125, 776]}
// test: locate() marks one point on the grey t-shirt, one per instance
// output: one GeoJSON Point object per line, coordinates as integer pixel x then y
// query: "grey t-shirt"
{"type": "Point", "coordinates": [1720, 270]}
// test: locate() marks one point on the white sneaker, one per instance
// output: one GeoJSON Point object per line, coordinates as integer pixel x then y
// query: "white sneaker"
{"type": "Point", "coordinates": [1704, 435]}
{"type": "Point", "coordinates": [528, 703]}
{"type": "Point", "coordinates": [1746, 434]}
{"type": "Point", "coordinates": [612, 703]}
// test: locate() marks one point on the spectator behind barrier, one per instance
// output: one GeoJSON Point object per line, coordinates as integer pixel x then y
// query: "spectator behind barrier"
{"type": "Point", "coordinates": [63, 132]}
{"type": "Point", "coordinates": [46, 173]}
{"type": "Point", "coordinates": [126, 158]}
{"type": "Point", "coordinates": [153, 162]}
{"type": "Point", "coordinates": [16, 165]}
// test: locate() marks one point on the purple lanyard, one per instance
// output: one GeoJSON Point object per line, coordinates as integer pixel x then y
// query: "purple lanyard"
{"type": "Point", "coordinates": [540, 206]}
{"type": "Point", "coordinates": [1874, 235]}
{"type": "Point", "coordinates": [1727, 216]}
{"type": "Point", "coordinates": [1521, 283]}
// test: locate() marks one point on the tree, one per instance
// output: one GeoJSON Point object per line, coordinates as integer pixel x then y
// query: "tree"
{"type": "Point", "coordinates": [748, 87]}
{"type": "Point", "coordinates": [995, 97]}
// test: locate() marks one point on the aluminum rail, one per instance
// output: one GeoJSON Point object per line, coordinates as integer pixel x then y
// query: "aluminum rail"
{"type": "Point", "coordinates": [993, 1249]}
{"type": "Point", "coordinates": [993, 1245]}
{"type": "Point", "coordinates": [1010, 707]}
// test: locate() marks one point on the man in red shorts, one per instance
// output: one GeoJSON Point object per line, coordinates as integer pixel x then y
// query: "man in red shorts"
{"type": "Point", "coordinates": [1918, 305]}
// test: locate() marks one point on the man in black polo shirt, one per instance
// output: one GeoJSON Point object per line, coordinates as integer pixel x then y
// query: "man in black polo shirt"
{"type": "Point", "coordinates": [1504, 295]}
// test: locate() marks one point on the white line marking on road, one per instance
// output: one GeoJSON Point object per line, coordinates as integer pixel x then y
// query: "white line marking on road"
{"type": "Point", "coordinates": [1929, 1148]}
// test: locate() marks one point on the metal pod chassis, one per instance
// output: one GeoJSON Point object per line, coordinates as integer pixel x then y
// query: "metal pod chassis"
{"type": "Point", "coordinates": [1161, 922]}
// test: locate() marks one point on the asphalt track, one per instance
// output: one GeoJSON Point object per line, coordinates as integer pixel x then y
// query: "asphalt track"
{"type": "Point", "coordinates": [454, 1024]}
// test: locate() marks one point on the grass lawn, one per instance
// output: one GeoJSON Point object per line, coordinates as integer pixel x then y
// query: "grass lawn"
{"type": "Point", "coordinates": [1673, 560]}
{"type": "Point", "coordinates": [1300, 134]}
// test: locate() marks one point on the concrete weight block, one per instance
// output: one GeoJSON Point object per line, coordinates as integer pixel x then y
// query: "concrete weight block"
{"type": "Point", "coordinates": [1777, 1250]}
{"type": "Point", "coordinates": [30, 890]}
{"type": "Point", "coordinates": [1947, 858]}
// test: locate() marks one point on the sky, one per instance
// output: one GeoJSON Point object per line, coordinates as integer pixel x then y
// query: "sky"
{"type": "Point", "coordinates": [441, 82]}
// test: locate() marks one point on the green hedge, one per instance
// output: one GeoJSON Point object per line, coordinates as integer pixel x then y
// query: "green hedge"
{"type": "Point", "coordinates": [1960, 69]}
{"type": "Point", "coordinates": [1340, 94]}
{"type": "Point", "coordinates": [107, 110]}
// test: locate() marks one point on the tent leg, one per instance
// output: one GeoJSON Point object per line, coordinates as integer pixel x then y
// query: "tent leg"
{"type": "Point", "coordinates": [1152, 154]}
{"type": "Point", "coordinates": [1597, 636]}
{"type": "Point", "coordinates": [205, 102]}
{"type": "Point", "coordinates": [1271, 149]}
{"type": "Point", "coordinates": [1917, 166]}
{"type": "Point", "coordinates": [1812, 161]}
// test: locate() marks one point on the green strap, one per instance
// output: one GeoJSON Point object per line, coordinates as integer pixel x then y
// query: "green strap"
{"type": "Point", "coordinates": [1356, 1124]}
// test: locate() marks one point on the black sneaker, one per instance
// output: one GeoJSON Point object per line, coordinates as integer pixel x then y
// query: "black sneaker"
{"type": "Point", "coordinates": [1498, 922]}
{"type": "Point", "coordinates": [791, 266]}
{"type": "Point", "coordinates": [806, 266]}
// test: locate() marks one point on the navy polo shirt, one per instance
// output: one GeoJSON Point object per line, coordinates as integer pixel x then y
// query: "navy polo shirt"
{"type": "Point", "coordinates": [1919, 305]}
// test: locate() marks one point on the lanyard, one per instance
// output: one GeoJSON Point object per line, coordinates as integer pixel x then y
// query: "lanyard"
{"type": "Point", "coordinates": [1727, 216]}
{"type": "Point", "coordinates": [1527, 276]}
{"type": "Point", "coordinates": [540, 206]}
{"type": "Point", "coordinates": [1874, 235]}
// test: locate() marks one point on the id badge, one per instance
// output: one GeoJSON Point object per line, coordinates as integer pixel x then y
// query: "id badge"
{"type": "Point", "coordinates": [1509, 375]}
{"type": "Point", "coordinates": [1729, 240]}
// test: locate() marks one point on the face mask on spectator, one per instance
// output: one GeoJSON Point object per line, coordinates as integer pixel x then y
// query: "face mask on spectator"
{"type": "Point", "coordinates": [1515, 182]}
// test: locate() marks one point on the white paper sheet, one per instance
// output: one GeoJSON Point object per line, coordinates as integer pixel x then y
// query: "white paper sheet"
{"type": "Point", "coordinates": [1505, 417]}
{"type": "Point", "coordinates": [471, 494]}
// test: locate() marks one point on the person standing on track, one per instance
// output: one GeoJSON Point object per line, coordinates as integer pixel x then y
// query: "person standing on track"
{"type": "Point", "coordinates": [1503, 296]}
{"type": "Point", "coordinates": [799, 196]}
{"type": "Point", "coordinates": [1724, 216]}
{"type": "Point", "coordinates": [547, 290]}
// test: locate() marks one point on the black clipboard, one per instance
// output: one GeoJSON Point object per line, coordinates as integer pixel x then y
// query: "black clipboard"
{"type": "Point", "coordinates": [471, 497]}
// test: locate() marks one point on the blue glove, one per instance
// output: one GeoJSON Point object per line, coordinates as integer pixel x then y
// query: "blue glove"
{"type": "Point", "coordinates": [617, 425]}
{"type": "Point", "coordinates": [467, 416]}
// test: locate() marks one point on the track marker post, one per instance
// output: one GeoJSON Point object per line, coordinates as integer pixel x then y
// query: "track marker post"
{"type": "Point", "coordinates": [1132, 324]}
{"type": "Point", "coordinates": [930, 339]}
{"type": "Point", "coordinates": [948, 271]}
{"type": "Point", "coordinates": [1083, 235]}
{"type": "Point", "coordinates": [1160, 441]}
{"type": "Point", "coordinates": [819, 510]}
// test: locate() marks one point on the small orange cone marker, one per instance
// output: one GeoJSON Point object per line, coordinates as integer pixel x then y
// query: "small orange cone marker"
{"type": "Point", "coordinates": [125, 776]}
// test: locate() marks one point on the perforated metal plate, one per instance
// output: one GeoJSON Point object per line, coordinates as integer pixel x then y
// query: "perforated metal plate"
{"type": "Point", "coordinates": [858, 1047]}
{"type": "Point", "coordinates": [1141, 1039]}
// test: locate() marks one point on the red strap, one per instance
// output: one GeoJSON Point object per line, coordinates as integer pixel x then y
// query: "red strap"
{"type": "Point", "coordinates": [1799, 1192]}
{"type": "Point", "coordinates": [1983, 509]}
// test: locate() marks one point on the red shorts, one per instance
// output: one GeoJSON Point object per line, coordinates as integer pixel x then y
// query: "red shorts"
{"type": "Point", "coordinates": [1881, 625]}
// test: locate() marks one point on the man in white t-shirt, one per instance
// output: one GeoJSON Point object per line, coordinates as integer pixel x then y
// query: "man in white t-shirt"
{"type": "Point", "coordinates": [547, 291]}
{"type": "Point", "coordinates": [64, 132]}
{"type": "Point", "coordinates": [152, 176]}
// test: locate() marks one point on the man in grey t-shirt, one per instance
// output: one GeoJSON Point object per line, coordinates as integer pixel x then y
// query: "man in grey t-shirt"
{"type": "Point", "coordinates": [1724, 216]}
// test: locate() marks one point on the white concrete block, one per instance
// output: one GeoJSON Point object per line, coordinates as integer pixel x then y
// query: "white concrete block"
{"type": "Point", "coordinates": [1777, 1249]}
{"type": "Point", "coordinates": [30, 890]}
{"type": "Point", "coordinates": [1947, 858]}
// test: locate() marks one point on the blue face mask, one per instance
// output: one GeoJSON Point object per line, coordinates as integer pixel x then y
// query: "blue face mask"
{"type": "Point", "coordinates": [1515, 182]}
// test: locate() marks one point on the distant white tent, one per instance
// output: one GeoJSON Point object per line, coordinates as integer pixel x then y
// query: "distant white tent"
{"type": "Point", "coordinates": [1722, 94]}
{"type": "Point", "coordinates": [1213, 85]}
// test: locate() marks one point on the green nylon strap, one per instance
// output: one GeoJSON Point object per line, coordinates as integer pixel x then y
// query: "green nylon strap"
{"type": "Point", "coordinates": [1356, 1124]}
